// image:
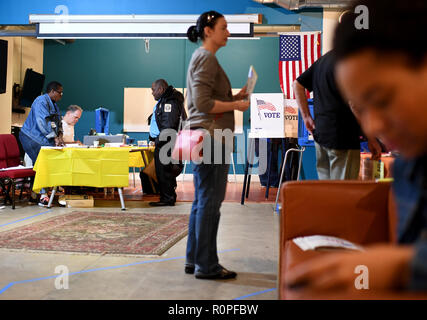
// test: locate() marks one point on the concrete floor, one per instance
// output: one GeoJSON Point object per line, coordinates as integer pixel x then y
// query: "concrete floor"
{"type": "Point", "coordinates": [247, 243]}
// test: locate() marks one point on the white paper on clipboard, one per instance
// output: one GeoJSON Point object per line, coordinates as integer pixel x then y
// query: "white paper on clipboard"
{"type": "Point", "coordinates": [252, 79]}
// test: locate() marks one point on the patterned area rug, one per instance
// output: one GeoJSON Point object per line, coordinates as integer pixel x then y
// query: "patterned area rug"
{"type": "Point", "coordinates": [100, 233]}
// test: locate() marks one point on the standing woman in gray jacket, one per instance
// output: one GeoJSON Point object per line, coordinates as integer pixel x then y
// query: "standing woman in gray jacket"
{"type": "Point", "coordinates": [211, 107]}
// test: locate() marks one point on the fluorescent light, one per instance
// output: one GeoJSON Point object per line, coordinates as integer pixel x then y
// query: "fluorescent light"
{"type": "Point", "coordinates": [131, 26]}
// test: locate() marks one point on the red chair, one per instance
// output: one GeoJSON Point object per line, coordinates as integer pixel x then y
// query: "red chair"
{"type": "Point", "coordinates": [10, 178]}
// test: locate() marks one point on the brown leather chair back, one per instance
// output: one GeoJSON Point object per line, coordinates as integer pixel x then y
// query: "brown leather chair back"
{"type": "Point", "coordinates": [354, 210]}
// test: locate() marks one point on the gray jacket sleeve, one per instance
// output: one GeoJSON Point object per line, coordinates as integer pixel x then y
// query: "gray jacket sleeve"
{"type": "Point", "coordinates": [204, 74]}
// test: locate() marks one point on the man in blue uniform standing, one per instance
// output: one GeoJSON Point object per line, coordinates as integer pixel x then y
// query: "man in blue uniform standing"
{"type": "Point", "coordinates": [166, 115]}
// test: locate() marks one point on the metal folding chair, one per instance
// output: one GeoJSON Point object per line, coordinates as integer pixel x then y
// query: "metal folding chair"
{"type": "Point", "coordinates": [283, 170]}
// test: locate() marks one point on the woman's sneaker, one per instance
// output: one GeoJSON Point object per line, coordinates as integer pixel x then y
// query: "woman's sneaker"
{"type": "Point", "coordinates": [44, 201]}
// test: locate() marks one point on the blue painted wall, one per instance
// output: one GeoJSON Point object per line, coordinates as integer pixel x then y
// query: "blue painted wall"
{"type": "Point", "coordinates": [94, 72]}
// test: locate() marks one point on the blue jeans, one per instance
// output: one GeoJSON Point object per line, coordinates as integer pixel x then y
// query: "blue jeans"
{"type": "Point", "coordinates": [210, 181]}
{"type": "Point", "coordinates": [31, 148]}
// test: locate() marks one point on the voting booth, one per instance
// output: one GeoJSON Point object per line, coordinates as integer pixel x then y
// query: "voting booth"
{"type": "Point", "coordinates": [272, 116]}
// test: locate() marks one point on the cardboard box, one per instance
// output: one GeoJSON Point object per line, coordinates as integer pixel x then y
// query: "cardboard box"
{"type": "Point", "coordinates": [76, 201]}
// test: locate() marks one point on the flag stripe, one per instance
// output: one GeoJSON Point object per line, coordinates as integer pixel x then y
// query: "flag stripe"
{"type": "Point", "coordinates": [312, 49]}
{"type": "Point", "coordinates": [305, 52]}
{"type": "Point", "coordinates": [287, 79]}
{"type": "Point", "coordinates": [281, 76]}
{"type": "Point", "coordinates": [292, 79]}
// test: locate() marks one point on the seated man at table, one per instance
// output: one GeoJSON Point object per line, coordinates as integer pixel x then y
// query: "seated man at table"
{"type": "Point", "coordinates": [69, 120]}
{"type": "Point", "coordinates": [387, 81]}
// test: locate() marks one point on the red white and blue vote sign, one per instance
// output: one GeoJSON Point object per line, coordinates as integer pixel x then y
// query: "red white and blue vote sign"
{"type": "Point", "coordinates": [272, 116]}
{"type": "Point", "coordinates": [267, 115]}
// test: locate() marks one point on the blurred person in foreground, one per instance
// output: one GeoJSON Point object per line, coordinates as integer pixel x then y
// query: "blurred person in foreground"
{"type": "Point", "coordinates": [382, 69]}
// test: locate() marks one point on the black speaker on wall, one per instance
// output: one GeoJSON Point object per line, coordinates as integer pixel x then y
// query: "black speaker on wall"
{"type": "Point", "coordinates": [32, 88]}
{"type": "Point", "coordinates": [3, 65]}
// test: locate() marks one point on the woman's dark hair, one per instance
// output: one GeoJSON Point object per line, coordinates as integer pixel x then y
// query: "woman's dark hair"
{"type": "Point", "coordinates": [207, 19]}
{"type": "Point", "coordinates": [54, 85]}
{"type": "Point", "coordinates": [394, 26]}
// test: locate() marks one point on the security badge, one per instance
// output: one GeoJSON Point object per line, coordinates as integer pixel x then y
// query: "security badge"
{"type": "Point", "coordinates": [168, 107]}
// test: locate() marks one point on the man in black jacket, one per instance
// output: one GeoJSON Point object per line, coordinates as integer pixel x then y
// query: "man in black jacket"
{"type": "Point", "coordinates": [167, 115]}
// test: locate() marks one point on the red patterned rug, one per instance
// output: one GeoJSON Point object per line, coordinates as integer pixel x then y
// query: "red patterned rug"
{"type": "Point", "coordinates": [100, 233]}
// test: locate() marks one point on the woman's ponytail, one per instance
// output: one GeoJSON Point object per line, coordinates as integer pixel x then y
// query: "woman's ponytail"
{"type": "Point", "coordinates": [192, 34]}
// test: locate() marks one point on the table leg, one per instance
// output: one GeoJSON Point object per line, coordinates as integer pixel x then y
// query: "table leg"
{"type": "Point", "coordinates": [52, 195]}
{"type": "Point", "coordinates": [122, 202]}
{"type": "Point", "coordinates": [134, 177]}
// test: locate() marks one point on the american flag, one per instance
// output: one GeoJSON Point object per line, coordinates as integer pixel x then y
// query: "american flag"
{"type": "Point", "coordinates": [297, 52]}
{"type": "Point", "coordinates": [261, 104]}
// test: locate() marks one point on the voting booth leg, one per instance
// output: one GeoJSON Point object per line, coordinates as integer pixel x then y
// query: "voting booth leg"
{"type": "Point", "coordinates": [247, 178]}
{"type": "Point", "coordinates": [52, 195]}
{"type": "Point", "coordinates": [242, 201]}
{"type": "Point", "coordinates": [270, 150]}
{"type": "Point", "coordinates": [122, 202]}
{"type": "Point", "coordinates": [251, 164]}
{"type": "Point", "coordinates": [247, 186]}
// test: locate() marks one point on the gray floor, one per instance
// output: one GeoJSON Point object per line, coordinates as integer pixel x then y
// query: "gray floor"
{"type": "Point", "coordinates": [247, 244]}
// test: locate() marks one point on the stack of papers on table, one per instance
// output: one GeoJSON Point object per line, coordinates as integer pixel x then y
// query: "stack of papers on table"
{"type": "Point", "coordinates": [113, 144]}
{"type": "Point", "coordinates": [75, 145]}
{"type": "Point", "coordinates": [324, 242]}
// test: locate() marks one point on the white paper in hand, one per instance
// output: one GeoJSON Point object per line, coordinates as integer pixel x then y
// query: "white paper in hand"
{"type": "Point", "coordinates": [252, 79]}
{"type": "Point", "coordinates": [322, 242]}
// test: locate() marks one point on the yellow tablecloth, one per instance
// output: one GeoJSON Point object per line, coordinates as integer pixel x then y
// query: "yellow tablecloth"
{"type": "Point", "coordinates": [91, 167]}
{"type": "Point", "coordinates": [135, 158]}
